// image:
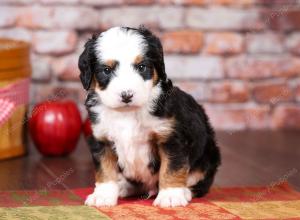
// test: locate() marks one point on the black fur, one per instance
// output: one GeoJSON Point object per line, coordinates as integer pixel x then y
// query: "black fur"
{"type": "Point", "coordinates": [86, 63]}
{"type": "Point", "coordinates": [193, 140]}
{"type": "Point", "coordinates": [96, 148]}
{"type": "Point", "coordinates": [102, 78]}
{"type": "Point", "coordinates": [192, 143]}
{"type": "Point", "coordinates": [90, 66]}
{"type": "Point", "coordinates": [154, 165]}
{"type": "Point", "coordinates": [92, 100]}
{"type": "Point", "coordinates": [154, 52]}
{"type": "Point", "coordinates": [148, 73]}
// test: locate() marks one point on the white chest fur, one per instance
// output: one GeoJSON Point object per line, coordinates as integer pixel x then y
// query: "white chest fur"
{"type": "Point", "coordinates": [130, 131]}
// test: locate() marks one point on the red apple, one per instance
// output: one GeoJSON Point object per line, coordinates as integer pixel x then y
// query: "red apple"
{"type": "Point", "coordinates": [87, 129]}
{"type": "Point", "coordinates": [55, 127]}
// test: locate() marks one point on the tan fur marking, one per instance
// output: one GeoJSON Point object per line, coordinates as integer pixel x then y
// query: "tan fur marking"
{"type": "Point", "coordinates": [155, 77]}
{"type": "Point", "coordinates": [108, 170]}
{"type": "Point", "coordinates": [194, 177]}
{"type": "Point", "coordinates": [138, 59]}
{"type": "Point", "coordinates": [95, 85]}
{"type": "Point", "coordinates": [110, 63]}
{"type": "Point", "coordinates": [168, 178]}
{"type": "Point", "coordinates": [162, 136]}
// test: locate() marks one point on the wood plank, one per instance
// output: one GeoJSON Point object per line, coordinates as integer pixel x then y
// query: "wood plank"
{"type": "Point", "coordinates": [248, 158]}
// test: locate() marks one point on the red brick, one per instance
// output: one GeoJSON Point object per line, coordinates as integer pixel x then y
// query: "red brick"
{"type": "Point", "coordinates": [287, 67]}
{"type": "Point", "coordinates": [224, 18]}
{"type": "Point", "coordinates": [228, 92]}
{"type": "Point", "coordinates": [41, 69]}
{"type": "Point", "coordinates": [54, 42]}
{"type": "Point", "coordinates": [170, 17]}
{"type": "Point", "coordinates": [58, 17]}
{"type": "Point", "coordinates": [102, 2]}
{"type": "Point", "coordinates": [138, 2]}
{"type": "Point", "coordinates": [283, 18]}
{"type": "Point", "coordinates": [224, 43]}
{"type": "Point", "coordinates": [258, 117]}
{"type": "Point", "coordinates": [36, 17]}
{"type": "Point", "coordinates": [268, 42]}
{"type": "Point", "coordinates": [164, 17]}
{"type": "Point", "coordinates": [234, 2]}
{"type": "Point", "coordinates": [194, 67]}
{"type": "Point", "coordinates": [66, 68]}
{"type": "Point", "coordinates": [293, 43]}
{"type": "Point", "coordinates": [198, 89]}
{"type": "Point", "coordinates": [62, 2]}
{"type": "Point", "coordinates": [276, 2]}
{"type": "Point", "coordinates": [184, 2]}
{"type": "Point", "coordinates": [226, 119]}
{"type": "Point", "coordinates": [286, 117]}
{"type": "Point", "coordinates": [238, 118]}
{"type": "Point", "coordinates": [82, 39]}
{"type": "Point", "coordinates": [297, 92]}
{"type": "Point", "coordinates": [73, 17]}
{"type": "Point", "coordinates": [116, 2]}
{"type": "Point", "coordinates": [17, 34]}
{"type": "Point", "coordinates": [272, 92]}
{"type": "Point", "coordinates": [250, 67]}
{"type": "Point", "coordinates": [8, 16]}
{"type": "Point", "coordinates": [182, 41]}
{"type": "Point", "coordinates": [18, 2]}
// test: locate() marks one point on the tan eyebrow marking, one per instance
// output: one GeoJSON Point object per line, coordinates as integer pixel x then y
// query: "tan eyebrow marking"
{"type": "Point", "coordinates": [110, 63]}
{"type": "Point", "coordinates": [138, 59]}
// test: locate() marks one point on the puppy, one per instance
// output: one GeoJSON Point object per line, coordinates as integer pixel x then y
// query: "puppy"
{"type": "Point", "coordinates": [149, 137]}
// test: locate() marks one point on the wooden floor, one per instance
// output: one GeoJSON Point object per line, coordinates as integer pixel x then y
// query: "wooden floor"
{"type": "Point", "coordinates": [248, 159]}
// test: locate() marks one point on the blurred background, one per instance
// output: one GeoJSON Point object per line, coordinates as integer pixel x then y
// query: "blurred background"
{"type": "Point", "coordinates": [239, 58]}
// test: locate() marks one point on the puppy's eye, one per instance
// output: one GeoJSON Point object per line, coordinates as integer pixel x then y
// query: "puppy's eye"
{"type": "Point", "coordinates": [141, 68]}
{"type": "Point", "coordinates": [107, 70]}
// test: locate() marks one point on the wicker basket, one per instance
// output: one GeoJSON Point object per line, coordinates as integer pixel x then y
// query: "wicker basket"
{"type": "Point", "coordinates": [14, 88]}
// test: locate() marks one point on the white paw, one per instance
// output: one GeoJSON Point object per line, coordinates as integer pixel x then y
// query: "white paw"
{"type": "Point", "coordinates": [105, 194]}
{"type": "Point", "coordinates": [173, 196]}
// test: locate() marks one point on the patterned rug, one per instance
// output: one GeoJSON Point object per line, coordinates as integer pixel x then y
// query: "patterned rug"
{"type": "Point", "coordinates": [276, 202]}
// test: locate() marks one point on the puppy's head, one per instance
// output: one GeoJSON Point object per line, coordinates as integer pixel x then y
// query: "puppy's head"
{"type": "Point", "coordinates": [124, 66]}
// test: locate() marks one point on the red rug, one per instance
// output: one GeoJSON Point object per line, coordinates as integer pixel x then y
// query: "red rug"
{"type": "Point", "coordinates": [277, 202]}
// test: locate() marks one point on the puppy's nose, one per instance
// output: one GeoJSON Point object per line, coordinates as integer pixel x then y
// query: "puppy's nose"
{"type": "Point", "coordinates": [126, 96]}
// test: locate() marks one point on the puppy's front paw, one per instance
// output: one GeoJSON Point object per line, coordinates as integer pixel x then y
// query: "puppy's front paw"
{"type": "Point", "coordinates": [173, 196]}
{"type": "Point", "coordinates": [105, 194]}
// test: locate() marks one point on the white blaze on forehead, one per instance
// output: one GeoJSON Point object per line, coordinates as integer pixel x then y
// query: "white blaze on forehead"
{"type": "Point", "coordinates": [120, 44]}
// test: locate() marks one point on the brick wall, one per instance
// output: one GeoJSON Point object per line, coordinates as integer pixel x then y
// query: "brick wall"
{"type": "Point", "coordinates": [241, 59]}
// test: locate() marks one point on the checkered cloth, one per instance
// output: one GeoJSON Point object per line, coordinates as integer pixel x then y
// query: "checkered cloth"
{"type": "Point", "coordinates": [11, 97]}
{"type": "Point", "coordinates": [277, 202]}
{"type": "Point", "coordinates": [6, 109]}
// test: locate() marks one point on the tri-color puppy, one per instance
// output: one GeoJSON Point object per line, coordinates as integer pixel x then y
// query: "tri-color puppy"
{"type": "Point", "coordinates": [149, 136]}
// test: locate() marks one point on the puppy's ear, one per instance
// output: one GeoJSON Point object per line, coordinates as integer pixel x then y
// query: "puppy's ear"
{"type": "Point", "coordinates": [86, 63]}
